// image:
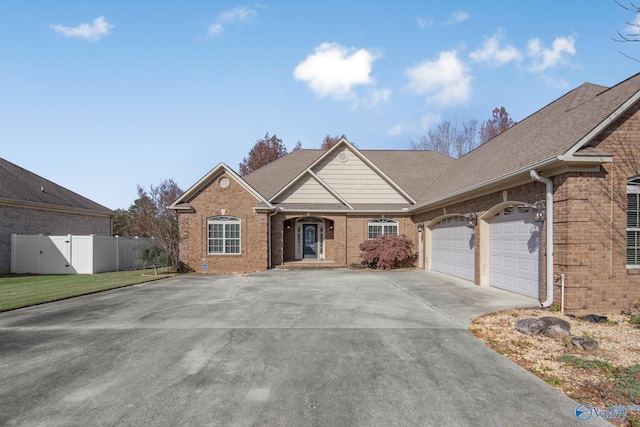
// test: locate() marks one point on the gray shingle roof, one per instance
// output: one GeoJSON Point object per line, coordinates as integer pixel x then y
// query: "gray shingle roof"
{"type": "Point", "coordinates": [546, 134]}
{"type": "Point", "coordinates": [21, 186]}
{"type": "Point", "coordinates": [413, 170]}
{"type": "Point", "coordinates": [410, 169]}
{"type": "Point", "coordinates": [429, 176]}
{"type": "Point", "coordinates": [269, 179]}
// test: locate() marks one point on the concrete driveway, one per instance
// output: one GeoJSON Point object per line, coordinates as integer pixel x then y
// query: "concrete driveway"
{"type": "Point", "coordinates": [278, 348]}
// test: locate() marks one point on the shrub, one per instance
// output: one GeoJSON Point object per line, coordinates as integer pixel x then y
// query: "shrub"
{"type": "Point", "coordinates": [388, 251]}
{"type": "Point", "coordinates": [153, 255]}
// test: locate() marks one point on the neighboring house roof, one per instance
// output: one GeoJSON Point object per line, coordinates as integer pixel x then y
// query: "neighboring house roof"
{"type": "Point", "coordinates": [18, 186]}
{"type": "Point", "coordinates": [553, 134]}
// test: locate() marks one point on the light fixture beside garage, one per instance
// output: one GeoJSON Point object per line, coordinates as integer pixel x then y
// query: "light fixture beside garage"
{"type": "Point", "coordinates": [420, 227]}
{"type": "Point", "coordinates": [539, 211]}
{"type": "Point", "coordinates": [472, 220]}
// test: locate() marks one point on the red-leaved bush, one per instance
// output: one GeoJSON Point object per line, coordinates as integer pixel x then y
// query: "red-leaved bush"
{"type": "Point", "coordinates": [388, 251]}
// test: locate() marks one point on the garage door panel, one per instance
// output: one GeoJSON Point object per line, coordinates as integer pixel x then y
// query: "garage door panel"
{"type": "Point", "coordinates": [515, 252]}
{"type": "Point", "coordinates": [453, 248]}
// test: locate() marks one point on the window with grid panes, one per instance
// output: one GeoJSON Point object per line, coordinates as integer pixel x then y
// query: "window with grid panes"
{"type": "Point", "coordinates": [633, 223]}
{"type": "Point", "coordinates": [223, 235]}
{"type": "Point", "coordinates": [382, 226]}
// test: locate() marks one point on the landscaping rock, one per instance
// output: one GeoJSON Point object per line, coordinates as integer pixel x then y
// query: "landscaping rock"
{"type": "Point", "coordinates": [530, 326]}
{"type": "Point", "coordinates": [594, 318]}
{"type": "Point", "coordinates": [550, 321]}
{"type": "Point", "coordinates": [586, 344]}
{"type": "Point", "coordinates": [632, 309]}
{"type": "Point", "coordinates": [551, 327]}
{"type": "Point", "coordinates": [557, 332]}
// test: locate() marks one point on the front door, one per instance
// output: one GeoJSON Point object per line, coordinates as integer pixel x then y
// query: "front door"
{"type": "Point", "coordinates": [310, 233]}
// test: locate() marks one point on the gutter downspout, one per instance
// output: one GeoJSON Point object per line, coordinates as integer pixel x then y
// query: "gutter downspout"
{"type": "Point", "coordinates": [549, 207]}
{"type": "Point", "coordinates": [271, 215]}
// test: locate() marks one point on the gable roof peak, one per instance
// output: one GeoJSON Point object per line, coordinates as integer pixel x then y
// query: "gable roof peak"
{"type": "Point", "coordinates": [342, 144]}
{"type": "Point", "coordinates": [584, 93]}
{"type": "Point", "coordinates": [183, 201]}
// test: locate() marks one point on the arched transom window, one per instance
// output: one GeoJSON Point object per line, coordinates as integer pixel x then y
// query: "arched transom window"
{"type": "Point", "coordinates": [382, 226]}
{"type": "Point", "coordinates": [223, 235]}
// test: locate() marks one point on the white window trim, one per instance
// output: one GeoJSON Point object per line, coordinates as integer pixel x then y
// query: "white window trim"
{"type": "Point", "coordinates": [382, 224]}
{"type": "Point", "coordinates": [224, 220]}
{"type": "Point", "coordinates": [633, 187]}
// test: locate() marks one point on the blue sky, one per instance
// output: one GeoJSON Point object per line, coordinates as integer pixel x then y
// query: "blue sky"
{"type": "Point", "coordinates": [100, 96]}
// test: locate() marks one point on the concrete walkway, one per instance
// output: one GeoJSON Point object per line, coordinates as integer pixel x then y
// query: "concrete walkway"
{"type": "Point", "coordinates": [278, 348]}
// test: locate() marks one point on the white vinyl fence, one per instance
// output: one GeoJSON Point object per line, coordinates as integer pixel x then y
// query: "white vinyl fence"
{"type": "Point", "coordinates": [70, 254]}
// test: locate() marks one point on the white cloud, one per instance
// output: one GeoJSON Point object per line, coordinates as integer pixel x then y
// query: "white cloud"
{"type": "Point", "coordinates": [237, 14]}
{"type": "Point", "coordinates": [402, 128]}
{"type": "Point", "coordinates": [375, 97]}
{"type": "Point", "coordinates": [633, 29]}
{"type": "Point", "coordinates": [446, 81]}
{"type": "Point", "coordinates": [424, 23]}
{"type": "Point", "coordinates": [429, 121]}
{"type": "Point", "coordinates": [492, 53]}
{"type": "Point", "coordinates": [543, 58]}
{"type": "Point", "coordinates": [215, 29]}
{"type": "Point", "coordinates": [93, 32]}
{"type": "Point", "coordinates": [458, 16]}
{"type": "Point", "coordinates": [408, 127]}
{"type": "Point", "coordinates": [233, 16]}
{"type": "Point", "coordinates": [333, 70]}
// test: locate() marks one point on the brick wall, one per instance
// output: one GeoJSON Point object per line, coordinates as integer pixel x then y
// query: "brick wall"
{"type": "Point", "coordinates": [16, 220]}
{"type": "Point", "coordinates": [342, 244]}
{"type": "Point", "coordinates": [591, 225]}
{"type": "Point", "coordinates": [235, 201]}
{"type": "Point", "coordinates": [525, 193]}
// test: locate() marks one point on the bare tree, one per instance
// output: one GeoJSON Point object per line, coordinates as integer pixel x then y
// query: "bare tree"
{"type": "Point", "coordinates": [153, 218]}
{"type": "Point", "coordinates": [450, 139]}
{"type": "Point", "coordinates": [632, 34]}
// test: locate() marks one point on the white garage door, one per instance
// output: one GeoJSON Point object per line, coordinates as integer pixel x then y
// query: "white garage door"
{"type": "Point", "coordinates": [515, 251]}
{"type": "Point", "coordinates": [453, 248]}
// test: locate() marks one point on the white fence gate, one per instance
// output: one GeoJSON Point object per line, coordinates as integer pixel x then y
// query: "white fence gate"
{"type": "Point", "coordinates": [39, 254]}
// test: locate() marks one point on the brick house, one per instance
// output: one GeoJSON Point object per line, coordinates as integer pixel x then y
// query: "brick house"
{"type": "Point", "coordinates": [30, 204]}
{"type": "Point", "coordinates": [553, 200]}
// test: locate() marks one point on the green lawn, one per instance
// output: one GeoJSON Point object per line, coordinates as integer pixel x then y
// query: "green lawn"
{"type": "Point", "coordinates": [22, 291]}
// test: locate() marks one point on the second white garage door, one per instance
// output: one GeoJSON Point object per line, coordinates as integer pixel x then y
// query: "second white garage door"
{"type": "Point", "coordinates": [453, 248]}
{"type": "Point", "coordinates": [515, 251]}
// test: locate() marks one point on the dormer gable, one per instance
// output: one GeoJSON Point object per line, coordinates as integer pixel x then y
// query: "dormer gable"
{"type": "Point", "coordinates": [344, 175]}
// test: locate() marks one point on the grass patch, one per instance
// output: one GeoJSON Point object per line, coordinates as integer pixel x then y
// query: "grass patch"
{"type": "Point", "coordinates": [635, 320]}
{"type": "Point", "coordinates": [553, 381]}
{"type": "Point", "coordinates": [628, 381]}
{"type": "Point", "coordinates": [18, 291]}
{"type": "Point", "coordinates": [525, 344]}
{"type": "Point", "coordinates": [582, 363]}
